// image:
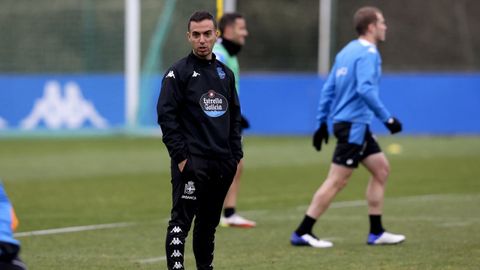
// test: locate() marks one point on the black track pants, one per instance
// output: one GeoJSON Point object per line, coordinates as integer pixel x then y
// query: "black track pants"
{"type": "Point", "coordinates": [198, 191]}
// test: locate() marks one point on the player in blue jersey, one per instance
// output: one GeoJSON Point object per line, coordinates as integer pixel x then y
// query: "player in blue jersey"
{"type": "Point", "coordinates": [350, 98]}
{"type": "Point", "coordinates": [9, 246]}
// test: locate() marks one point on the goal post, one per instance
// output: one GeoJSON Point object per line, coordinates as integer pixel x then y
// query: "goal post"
{"type": "Point", "coordinates": [132, 60]}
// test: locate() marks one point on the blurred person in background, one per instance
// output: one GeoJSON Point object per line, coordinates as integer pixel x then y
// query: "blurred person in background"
{"type": "Point", "coordinates": [9, 246]}
{"type": "Point", "coordinates": [199, 113]}
{"type": "Point", "coordinates": [350, 97]}
{"type": "Point", "coordinates": [233, 32]}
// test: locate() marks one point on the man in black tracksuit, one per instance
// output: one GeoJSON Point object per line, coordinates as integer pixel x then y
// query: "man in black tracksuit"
{"type": "Point", "coordinates": [199, 113]}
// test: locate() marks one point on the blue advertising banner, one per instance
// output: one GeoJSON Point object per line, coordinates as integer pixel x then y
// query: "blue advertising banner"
{"type": "Point", "coordinates": [285, 104]}
{"type": "Point", "coordinates": [427, 104]}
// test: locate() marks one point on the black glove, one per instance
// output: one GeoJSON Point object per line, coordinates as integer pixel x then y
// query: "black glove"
{"type": "Point", "coordinates": [245, 124]}
{"type": "Point", "coordinates": [393, 125]}
{"type": "Point", "coordinates": [320, 134]}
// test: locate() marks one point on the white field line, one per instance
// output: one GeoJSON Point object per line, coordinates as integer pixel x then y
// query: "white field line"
{"type": "Point", "coordinates": [74, 229]}
{"type": "Point", "coordinates": [344, 204]}
{"type": "Point", "coordinates": [152, 260]}
{"type": "Point", "coordinates": [419, 198]}
{"type": "Point", "coordinates": [348, 204]}
{"type": "Point", "coordinates": [455, 224]}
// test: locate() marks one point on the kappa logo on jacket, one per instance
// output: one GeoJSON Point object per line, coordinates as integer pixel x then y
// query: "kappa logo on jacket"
{"type": "Point", "coordinates": [170, 74]}
{"type": "Point", "coordinates": [195, 74]}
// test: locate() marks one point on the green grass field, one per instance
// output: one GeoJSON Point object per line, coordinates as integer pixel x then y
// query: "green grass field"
{"type": "Point", "coordinates": [433, 197]}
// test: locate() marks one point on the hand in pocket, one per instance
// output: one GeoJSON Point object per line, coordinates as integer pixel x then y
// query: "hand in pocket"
{"type": "Point", "coordinates": [182, 164]}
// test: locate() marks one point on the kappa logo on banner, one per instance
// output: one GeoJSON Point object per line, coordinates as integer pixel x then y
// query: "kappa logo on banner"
{"type": "Point", "coordinates": [70, 111]}
{"type": "Point", "coordinates": [3, 123]}
{"type": "Point", "coordinates": [213, 104]}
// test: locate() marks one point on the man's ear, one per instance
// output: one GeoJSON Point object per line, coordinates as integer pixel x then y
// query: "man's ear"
{"type": "Point", "coordinates": [371, 27]}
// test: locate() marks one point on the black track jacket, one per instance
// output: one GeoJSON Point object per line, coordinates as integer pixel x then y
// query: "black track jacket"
{"type": "Point", "coordinates": [199, 111]}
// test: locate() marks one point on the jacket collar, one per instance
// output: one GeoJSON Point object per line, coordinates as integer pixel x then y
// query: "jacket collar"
{"type": "Point", "coordinates": [202, 62]}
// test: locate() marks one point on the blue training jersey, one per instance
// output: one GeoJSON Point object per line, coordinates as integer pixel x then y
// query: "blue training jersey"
{"type": "Point", "coordinates": [351, 92]}
{"type": "Point", "coordinates": [6, 231]}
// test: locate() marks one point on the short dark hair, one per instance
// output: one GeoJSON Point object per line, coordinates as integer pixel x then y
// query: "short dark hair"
{"type": "Point", "coordinates": [364, 17]}
{"type": "Point", "coordinates": [199, 16]}
{"type": "Point", "coordinates": [227, 20]}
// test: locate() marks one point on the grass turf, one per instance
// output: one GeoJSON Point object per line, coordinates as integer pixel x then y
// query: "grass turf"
{"type": "Point", "coordinates": [433, 197]}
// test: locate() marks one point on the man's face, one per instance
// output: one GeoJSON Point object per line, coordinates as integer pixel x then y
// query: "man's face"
{"type": "Point", "coordinates": [380, 28]}
{"type": "Point", "coordinates": [239, 31]}
{"type": "Point", "coordinates": [202, 35]}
